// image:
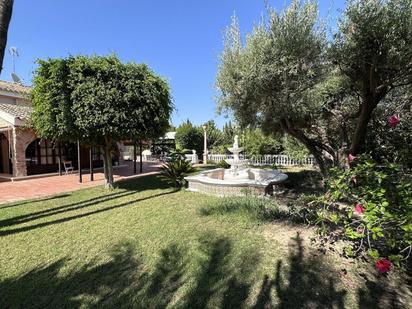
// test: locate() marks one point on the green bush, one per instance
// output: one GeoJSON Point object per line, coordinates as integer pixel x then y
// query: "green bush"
{"type": "Point", "coordinates": [294, 149]}
{"type": "Point", "coordinates": [371, 206]}
{"type": "Point", "coordinates": [177, 169]}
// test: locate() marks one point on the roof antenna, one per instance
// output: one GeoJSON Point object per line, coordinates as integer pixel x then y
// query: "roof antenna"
{"type": "Point", "coordinates": [14, 54]}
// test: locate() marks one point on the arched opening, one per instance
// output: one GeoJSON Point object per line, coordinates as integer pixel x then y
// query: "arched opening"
{"type": "Point", "coordinates": [6, 166]}
{"type": "Point", "coordinates": [42, 156]}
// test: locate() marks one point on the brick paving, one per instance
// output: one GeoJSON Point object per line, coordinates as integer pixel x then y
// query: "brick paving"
{"type": "Point", "coordinates": [51, 185]}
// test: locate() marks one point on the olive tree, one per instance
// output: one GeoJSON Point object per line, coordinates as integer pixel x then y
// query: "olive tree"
{"type": "Point", "coordinates": [287, 77]}
{"type": "Point", "coordinates": [373, 49]}
{"type": "Point", "coordinates": [271, 80]}
{"type": "Point", "coordinates": [100, 101]}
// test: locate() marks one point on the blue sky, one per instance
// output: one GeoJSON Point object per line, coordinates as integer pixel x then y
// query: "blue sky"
{"type": "Point", "coordinates": [180, 39]}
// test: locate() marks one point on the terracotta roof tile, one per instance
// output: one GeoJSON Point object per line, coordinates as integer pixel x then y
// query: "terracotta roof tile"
{"type": "Point", "coordinates": [14, 87]}
{"type": "Point", "coordinates": [4, 123]}
{"type": "Point", "coordinates": [19, 111]}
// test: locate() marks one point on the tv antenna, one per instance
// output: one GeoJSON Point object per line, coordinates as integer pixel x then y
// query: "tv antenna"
{"type": "Point", "coordinates": [14, 54]}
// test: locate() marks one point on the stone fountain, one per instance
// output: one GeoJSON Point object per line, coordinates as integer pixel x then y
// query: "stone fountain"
{"type": "Point", "coordinates": [236, 163]}
{"type": "Point", "coordinates": [238, 180]}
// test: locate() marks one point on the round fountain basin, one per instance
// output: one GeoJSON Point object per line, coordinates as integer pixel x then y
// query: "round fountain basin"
{"type": "Point", "coordinates": [247, 181]}
{"type": "Point", "coordinates": [234, 162]}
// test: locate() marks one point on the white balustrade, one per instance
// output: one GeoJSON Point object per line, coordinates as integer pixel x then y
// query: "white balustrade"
{"type": "Point", "coordinates": [265, 160]}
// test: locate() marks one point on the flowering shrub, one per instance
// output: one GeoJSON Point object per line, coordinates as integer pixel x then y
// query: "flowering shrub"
{"type": "Point", "coordinates": [383, 265]}
{"type": "Point", "coordinates": [370, 205]}
{"type": "Point", "coordinates": [393, 121]}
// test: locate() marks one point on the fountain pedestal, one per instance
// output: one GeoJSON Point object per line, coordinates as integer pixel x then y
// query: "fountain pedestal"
{"type": "Point", "coordinates": [236, 163]}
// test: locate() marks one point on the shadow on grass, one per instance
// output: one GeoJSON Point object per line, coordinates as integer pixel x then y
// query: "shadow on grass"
{"type": "Point", "coordinates": [50, 198]}
{"type": "Point", "coordinates": [302, 182]}
{"type": "Point", "coordinates": [377, 293]}
{"type": "Point", "coordinates": [215, 276]}
{"type": "Point", "coordinates": [151, 182]}
{"type": "Point", "coordinates": [124, 282]}
{"type": "Point", "coordinates": [82, 215]}
{"type": "Point", "coordinates": [128, 188]}
{"type": "Point", "coordinates": [220, 282]}
{"type": "Point", "coordinates": [308, 283]}
{"type": "Point", "coordinates": [62, 209]}
{"type": "Point", "coordinates": [44, 287]}
{"type": "Point", "coordinates": [255, 208]}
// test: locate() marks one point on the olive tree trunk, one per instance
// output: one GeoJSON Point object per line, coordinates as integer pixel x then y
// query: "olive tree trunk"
{"type": "Point", "coordinates": [6, 9]}
{"type": "Point", "coordinates": [324, 155]}
{"type": "Point", "coordinates": [370, 101]}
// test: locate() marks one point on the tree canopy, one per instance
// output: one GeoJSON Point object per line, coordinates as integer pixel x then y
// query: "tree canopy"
{"type": "Point", "coordinates": [190, 136]}
{"type": "Point", "coordinates": [373, 49]}
{"type": "Point", "coordinates": [287, 76]}
{"type": "Point", "coordinates": [99, 100]}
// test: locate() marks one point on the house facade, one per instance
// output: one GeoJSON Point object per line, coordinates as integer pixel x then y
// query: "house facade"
{"type": "Point", "coordinates": [22, 153]}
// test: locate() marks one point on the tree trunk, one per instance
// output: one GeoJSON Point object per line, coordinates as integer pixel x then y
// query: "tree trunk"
{"type": "Point", "coordinates": [6, 9]}
{"type": "Point", "coordinates": [359, 135]}
{"type": "Point", "coordinates": [323, 162]}
{"type": "Point", "coordinates": [104, 162]}
{"type": "Point", "coordinates": [108, 167]}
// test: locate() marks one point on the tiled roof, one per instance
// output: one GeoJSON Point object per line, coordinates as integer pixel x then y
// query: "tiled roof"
{"type": "Point", "coordinates": [14, 87]}
{"type": "Point", "coordinates": [18, 111]}
{"type": "Point", "coordinates": [4, 123]}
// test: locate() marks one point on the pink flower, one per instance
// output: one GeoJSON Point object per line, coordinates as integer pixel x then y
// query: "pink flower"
{"type": "Point", "coordinates": [393, 121]}
{"type": "Point", "coordinates": [360, 230]}
{"type": "Point", "coordinates": [351, 157]}
{"type": "Point", "coordinates": [359, 208]}
{"type": "Point", "coordinates": [383, 265]}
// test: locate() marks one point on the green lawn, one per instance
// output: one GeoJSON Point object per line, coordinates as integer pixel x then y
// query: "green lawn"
{"type": "Point", "coordinates": [145, 245]}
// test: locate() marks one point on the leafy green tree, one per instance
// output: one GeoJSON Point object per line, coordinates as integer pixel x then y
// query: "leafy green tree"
{"type": "Point", "coordinates": [214, 135]}
{"type": "Point", "coordinates": [100, 101]}
{"type": "Point", "coordinates": [373, 49]}
{"type": "Point", "coordinates": [255, 142]}
{"type": "Point", "coordinates": [52, 116]}
{"type": "Point", "coordinates": [294, 149]}
{"type": "Point", "coordinates": [228, 132]}
{"type": "Point", "coordinates": [285, 78]}
{"type": "Point", "coordinates": [388, 144]}
{"type": "Point", "coordinates": [189, 137]}
{"type": "Point", "coordinates": [270, 81]}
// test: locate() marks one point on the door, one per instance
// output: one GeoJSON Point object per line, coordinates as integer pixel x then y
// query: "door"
{"type": "Point", "coordinates": [5, 162]}
{"type": "Point", "coordinates": [84, 156]}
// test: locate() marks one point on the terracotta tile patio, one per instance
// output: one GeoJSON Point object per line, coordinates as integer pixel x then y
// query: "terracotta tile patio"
{"type": "Point", "coordinates": [51, 185]}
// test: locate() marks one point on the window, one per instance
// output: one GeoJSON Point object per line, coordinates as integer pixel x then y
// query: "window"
{"type": "Point", "coordinates": [97, 154]}
{"type": "Point", "coordinates": [42, 152]}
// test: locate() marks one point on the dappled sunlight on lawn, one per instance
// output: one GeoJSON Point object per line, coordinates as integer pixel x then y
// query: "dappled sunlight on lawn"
{"type": "Point", "coordinates": [146, 245]}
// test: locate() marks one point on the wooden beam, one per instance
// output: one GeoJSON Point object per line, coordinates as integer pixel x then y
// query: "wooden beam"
{"type": "Point", "coordinates": [140, 153]}
{"type": "Point", "coordinates": [134, 157]}
{"type": "Point", "coordinates": [79, 163]}
{"type": "Point", "coordinates": [91, 164]}
{"type": "Point", "coordinates": [60, 159]}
